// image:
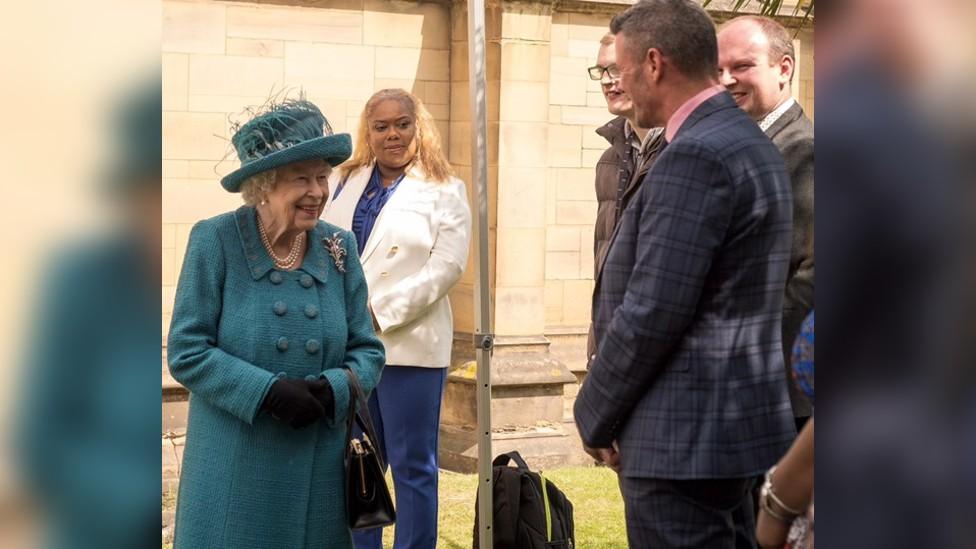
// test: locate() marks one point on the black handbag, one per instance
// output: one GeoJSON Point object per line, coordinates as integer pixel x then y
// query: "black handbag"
{"type": "Point", "coordinates": [368, 501]}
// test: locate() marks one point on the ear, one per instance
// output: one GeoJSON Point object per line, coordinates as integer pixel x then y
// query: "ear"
{"type": "Point", "coordinates": [786, 67]}
{"type": "Point", "coordinates": [654, 65]}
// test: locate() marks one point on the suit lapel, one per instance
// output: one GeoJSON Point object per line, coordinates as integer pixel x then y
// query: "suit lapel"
{"type": "Point", "coordinates": [403, 192]}
{"type": "Point", "coordinates": [340, 210]}
{"type": "Point", "coordinates": [788, 117]}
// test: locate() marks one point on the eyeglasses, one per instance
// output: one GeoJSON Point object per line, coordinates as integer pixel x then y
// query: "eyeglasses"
{"type": "Point", "coordinates": [597, 72]}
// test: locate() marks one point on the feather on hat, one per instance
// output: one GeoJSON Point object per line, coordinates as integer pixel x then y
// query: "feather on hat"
{"type": "Point", "coordinates": [287, 132]}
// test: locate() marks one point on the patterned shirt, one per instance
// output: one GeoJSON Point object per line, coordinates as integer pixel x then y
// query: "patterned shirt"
{"type": "Point", "coordinates": [773, 116]}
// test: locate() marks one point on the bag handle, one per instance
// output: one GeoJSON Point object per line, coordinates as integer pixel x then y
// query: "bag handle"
{"type": "Point", "coordinates": [503, 459]}
{"type": "Point", "coordinates": [361, 417]}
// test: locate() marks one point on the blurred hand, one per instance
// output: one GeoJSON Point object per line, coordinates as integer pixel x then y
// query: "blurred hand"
{"type": "Point", "coordinates": [291, 401]}
{"type": "Point", "coordinates": [607, 456]}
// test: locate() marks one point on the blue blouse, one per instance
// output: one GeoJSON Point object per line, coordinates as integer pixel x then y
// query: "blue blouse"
{"type": "Point", "coordinates": [803, 358]}
{"type": "Point", "coordinates": [371, 203]}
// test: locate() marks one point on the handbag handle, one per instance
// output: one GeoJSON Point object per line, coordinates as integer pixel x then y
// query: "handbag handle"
{"type": "Point", "coordinates": [362, 417]}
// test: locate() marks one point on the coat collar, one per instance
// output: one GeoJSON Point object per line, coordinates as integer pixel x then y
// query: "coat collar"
{"type": "Point", "coordinates": [719, 101]}
{"type": "Point", "coordinates": [316, 260]}
{"type": "Point", "coordinates": [613, 131]}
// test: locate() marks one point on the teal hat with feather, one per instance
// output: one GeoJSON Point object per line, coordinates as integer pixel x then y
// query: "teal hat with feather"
{"type": "Point", "coordinates": [287, 132]}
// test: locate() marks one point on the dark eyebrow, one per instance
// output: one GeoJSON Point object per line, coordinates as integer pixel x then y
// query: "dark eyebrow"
{"type": "Point", "coordinates": [392, 120]}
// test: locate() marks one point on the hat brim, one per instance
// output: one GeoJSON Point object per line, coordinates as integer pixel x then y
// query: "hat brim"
{"type": "Point", "coordinates": [334, 149]}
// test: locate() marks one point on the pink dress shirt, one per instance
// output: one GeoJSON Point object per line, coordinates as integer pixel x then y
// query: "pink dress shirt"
{"type": "Point", "coordinates": [680, 115]}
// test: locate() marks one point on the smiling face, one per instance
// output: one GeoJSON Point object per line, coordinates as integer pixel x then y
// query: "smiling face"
{"type": "Point", "coordinates": [757, 83]}
{"type": "Point", "coordinates": [392, 135]}
{"type": "Point", "coordinates": [299, 194]}
{"type": "Point", "coordinates": [618, 101]}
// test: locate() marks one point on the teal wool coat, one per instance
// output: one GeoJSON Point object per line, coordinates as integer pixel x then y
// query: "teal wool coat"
{"type": "Point", "coordinates": [248, 480]}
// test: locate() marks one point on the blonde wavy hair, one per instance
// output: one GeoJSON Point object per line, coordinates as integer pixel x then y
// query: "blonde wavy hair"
{"type": "Point", "coordinates": [430, 157]}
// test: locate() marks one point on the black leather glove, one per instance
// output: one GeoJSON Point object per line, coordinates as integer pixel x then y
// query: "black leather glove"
{"type": "Point", "coordinates": [291, 401]}
{"type": "Point", "coordinates": [322, 390]}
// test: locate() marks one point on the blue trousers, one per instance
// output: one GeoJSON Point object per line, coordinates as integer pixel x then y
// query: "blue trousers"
{"type": "Point", "coordinates": [406, 411]}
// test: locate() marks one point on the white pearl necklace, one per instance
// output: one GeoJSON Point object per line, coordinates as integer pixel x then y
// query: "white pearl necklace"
{"type": "Point", "coordinates": [296, 246]}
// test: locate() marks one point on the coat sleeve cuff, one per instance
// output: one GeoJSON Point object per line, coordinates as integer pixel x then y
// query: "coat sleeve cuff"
{"type": "Point", "coordinates": [594, 431]}
{"type": "Point", "coordinates": [253, 404]}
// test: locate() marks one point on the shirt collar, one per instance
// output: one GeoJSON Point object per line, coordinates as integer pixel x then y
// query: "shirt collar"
{"type": "Point", "coordinates": [685, 110]}
{"type": "Point", "coordinates": [260, 263]}
{"type": "Point", "coordinates": [376, 180]}
{"type": "Point", "coordinates": [631, 135]}
{"type": "Point", "coordinates": [773, 116]}
{"type": "Point", "coordinates": [635, 140]}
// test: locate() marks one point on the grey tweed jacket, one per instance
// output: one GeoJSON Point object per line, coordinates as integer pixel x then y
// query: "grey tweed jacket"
{"type": "Point", "coordinates": [792, 134]}
{"type": "Point", "coordinates": [688, 377]}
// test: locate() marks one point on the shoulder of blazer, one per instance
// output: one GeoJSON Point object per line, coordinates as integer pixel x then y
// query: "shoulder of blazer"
{"type": "Point", "coordinates": [454, 196]}
{"type": "Point", "coordinates": [456, 186]}
{"type": "Point", "coordinates": [720, 102]}
{"type": "Point", "coordinates": [419, 182]}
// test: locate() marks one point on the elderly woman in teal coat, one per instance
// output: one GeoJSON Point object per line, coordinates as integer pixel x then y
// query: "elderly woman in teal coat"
{"type": "Point", "coordinates": [270, 309]}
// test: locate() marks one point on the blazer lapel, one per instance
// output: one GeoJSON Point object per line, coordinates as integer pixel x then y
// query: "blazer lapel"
{"type": "Point", "coordinates": [340, 210]}
{"type": "Point", "coordinates": [788, 118]}
{"type": "Point", "coordinates": [403, 192]}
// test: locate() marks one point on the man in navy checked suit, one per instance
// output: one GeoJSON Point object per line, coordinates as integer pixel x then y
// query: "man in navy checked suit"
{"type": "Point", "coordinates": [686, 398]}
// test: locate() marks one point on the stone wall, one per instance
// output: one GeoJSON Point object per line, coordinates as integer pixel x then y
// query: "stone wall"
{"type": "Point", "coordinates": [222, 57]}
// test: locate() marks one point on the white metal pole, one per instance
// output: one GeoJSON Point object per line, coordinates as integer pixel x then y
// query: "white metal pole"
{"type": "Point", "coordinates": [483, 338]}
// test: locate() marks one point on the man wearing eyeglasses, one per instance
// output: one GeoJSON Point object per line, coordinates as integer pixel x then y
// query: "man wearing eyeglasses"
{"type": "Point", "coordinates": [685, 399]}
{"type": "Point", "coordinates": [622, 167]}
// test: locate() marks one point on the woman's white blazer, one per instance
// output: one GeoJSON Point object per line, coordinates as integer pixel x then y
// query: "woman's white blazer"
{"type": "Point", "coordinates": [414, 255]}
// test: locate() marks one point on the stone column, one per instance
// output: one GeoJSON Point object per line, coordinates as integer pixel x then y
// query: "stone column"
{"type": "Point", "coordinates": [527, 380]}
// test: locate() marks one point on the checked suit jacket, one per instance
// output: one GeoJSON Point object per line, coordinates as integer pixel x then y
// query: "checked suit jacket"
{"type": "Point", "coordinates": [689, 377]}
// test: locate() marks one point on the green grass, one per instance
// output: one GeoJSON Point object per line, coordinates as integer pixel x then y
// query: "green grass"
{"type": "Point", "coordinates": [598, 510]}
